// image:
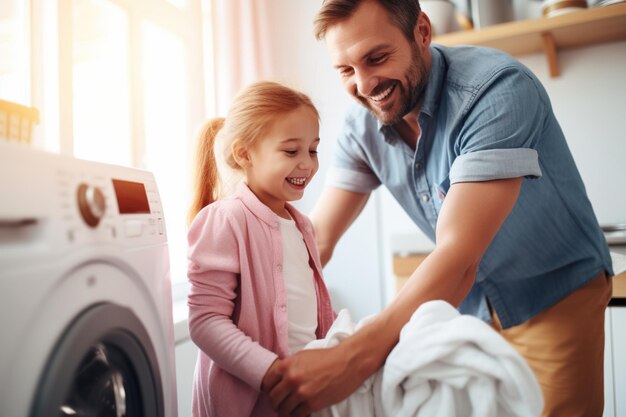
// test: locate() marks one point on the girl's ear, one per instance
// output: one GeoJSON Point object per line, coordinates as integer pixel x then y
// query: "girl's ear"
{"type": "Point", "coordinates": [241, 155]}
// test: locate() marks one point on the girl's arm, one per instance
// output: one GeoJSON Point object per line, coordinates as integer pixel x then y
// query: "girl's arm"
{"type": "Point", "coordinates": [212, 271]}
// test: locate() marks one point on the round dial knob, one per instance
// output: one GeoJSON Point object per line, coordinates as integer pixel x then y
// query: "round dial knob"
{"type": "Point", "coordinates": [91, 204]}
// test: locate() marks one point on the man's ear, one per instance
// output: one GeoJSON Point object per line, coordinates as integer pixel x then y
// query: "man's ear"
{"type": "Point", "coordinates": [423, 32]}
{"type": "Point", "coordinates": [241, 155]}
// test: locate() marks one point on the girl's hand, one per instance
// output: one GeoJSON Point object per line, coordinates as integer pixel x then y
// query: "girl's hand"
{"type": "Point", "coordinates": [272, 377]}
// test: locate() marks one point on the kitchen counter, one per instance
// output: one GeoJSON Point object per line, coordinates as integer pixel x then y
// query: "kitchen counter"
{"type": "Point", "coordinates": [405, 264]}
{"type": "Point", "coordinates": [619, 289]}
{"type": "Point", "coordinates": [619, 280]}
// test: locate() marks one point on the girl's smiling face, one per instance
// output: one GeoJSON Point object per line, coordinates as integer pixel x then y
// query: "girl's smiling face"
{"type": "Point", "coordinates": [283, 161]}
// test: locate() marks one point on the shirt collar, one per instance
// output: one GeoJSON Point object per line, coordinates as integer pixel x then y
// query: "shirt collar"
{"type": "Point", "coordinates": [432, 95]}
{"type": "Point", "coordinates": [252, 202]}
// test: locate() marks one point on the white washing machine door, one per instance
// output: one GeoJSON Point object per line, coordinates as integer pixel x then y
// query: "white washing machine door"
{"type": "Point", "coordinates": [83, 341]}
{"type": "Point", "coordinates": [103, 366]}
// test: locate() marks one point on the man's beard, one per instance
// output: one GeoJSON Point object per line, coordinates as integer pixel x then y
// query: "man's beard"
{"type": "Point", "coordinates": [416, 77]}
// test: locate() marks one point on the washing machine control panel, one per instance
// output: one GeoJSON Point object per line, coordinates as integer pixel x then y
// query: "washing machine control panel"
{"type": "Point", "coordinates": [114, 208]}
{"type": "Point", "coordinates": [108, 203]}
{"type": "Point", "coordinates": [73, 203]}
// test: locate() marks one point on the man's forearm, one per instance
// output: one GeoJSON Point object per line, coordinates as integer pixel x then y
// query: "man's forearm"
{"type": "Point", "coordinates": [442, 276]}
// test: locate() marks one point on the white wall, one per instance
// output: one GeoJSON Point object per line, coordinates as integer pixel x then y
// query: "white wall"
{"type": "Point", "coordinates": [589, 99]}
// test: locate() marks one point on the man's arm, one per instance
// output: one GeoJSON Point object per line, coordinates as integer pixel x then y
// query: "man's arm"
{"type": "Point", "coordinates": [334, 212]}
{"type": "Point", "coordinates": [470, 217]}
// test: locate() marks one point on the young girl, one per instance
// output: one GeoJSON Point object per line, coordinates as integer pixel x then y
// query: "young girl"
{"type": "Point", "coordinates": [257, 293]}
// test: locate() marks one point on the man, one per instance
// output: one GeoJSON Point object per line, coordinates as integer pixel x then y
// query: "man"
{"type": "Point", "coordinates": [466, 141]}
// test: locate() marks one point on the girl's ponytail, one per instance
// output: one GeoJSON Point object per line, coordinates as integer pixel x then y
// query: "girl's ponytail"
{"type": "Point", "coordinates": [206, 177]}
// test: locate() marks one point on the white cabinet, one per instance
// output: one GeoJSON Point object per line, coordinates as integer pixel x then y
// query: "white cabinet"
{"type": "Point", "coordinates": [609, 390]}
{"type": "Point", "coordinates": [186, 354]}
{"type": "Point", "coordinates": [618, 337]}
{"type": "Point", "coordinates": [615, 362]}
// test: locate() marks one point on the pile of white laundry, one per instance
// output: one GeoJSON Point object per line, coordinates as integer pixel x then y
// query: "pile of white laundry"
{"type": "Point", "coordinates": [445, 364]}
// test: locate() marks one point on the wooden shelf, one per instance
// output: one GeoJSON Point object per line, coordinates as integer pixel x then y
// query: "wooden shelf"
{"type": "Point", "coordinates": [586, 27]}
{"type": "Point", "coordinates": [403, 267]}
{"type": "Point", "coordinates": [619, 286]}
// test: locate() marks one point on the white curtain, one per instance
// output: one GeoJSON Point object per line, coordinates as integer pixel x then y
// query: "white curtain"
{"type": "Point", "coordinates": [241, 46]}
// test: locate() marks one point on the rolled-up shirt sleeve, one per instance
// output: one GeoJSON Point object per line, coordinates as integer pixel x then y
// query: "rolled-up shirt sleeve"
{"type": "Point", "coordinates": [495, 164]}
{"type": "Point", "coordinates": [351, 180]}
{"type": "Point", "coordinates": [502, 131]}
{"type": "Point", "coordinates": [351, 168]}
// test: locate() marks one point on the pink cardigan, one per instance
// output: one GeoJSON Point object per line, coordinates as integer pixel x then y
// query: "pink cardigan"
{"type": "Point", "coordinates": [238, 302]}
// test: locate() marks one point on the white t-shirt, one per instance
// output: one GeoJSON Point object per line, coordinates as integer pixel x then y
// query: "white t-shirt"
{"type": "Point", "coordinates": [300, 287]}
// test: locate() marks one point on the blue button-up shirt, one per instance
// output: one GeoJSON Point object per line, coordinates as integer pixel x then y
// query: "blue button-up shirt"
{"type": "Point", "coordinates": [485, 117]}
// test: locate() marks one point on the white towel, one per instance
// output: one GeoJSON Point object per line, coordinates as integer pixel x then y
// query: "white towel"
{"type": "Point", "coordinates": [445, 364]}
{"type": "Point", "coordinates": [361, 402]}
{"type": "Point", "coordinates": [448, 364]}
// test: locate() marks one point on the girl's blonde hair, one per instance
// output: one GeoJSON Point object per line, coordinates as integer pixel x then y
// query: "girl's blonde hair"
{"type": "Point", "coordinates": [250, 116]}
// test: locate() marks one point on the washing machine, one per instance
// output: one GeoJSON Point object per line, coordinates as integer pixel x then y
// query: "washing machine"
{"type": "Point", "coordinates": [85, 298]}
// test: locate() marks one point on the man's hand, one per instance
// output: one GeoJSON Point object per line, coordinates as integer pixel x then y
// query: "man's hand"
{"type": "Point", "coordinates": [314, 379]}
{"type": "Point", "coordinates": [272, 376]}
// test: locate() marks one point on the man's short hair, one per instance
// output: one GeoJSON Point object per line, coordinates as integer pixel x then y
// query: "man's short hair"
{"type": "Point", "coordinates": [402, 13]}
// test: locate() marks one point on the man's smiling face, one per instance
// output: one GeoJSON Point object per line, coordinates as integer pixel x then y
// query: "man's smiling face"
{"type": "Point", "coordinates": [378, 65]}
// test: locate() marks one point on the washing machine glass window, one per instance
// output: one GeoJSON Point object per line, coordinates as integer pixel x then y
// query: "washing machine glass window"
{"type": "Point", "coordinates": [103, 366]}
{"type": "Point", "coordinates": [104, 385]}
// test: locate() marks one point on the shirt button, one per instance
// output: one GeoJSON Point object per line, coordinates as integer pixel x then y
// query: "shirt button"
{"type": "Point", "coordinates": [417, 165]}
{"type": "Point", "coordinates": [276, 224]}
{"type": "Point", "coordinates": [283, 308]}
{"type": "Point", "coordinates": [425, 198]}
{"type": "Point", "coordinates": [279, 267]}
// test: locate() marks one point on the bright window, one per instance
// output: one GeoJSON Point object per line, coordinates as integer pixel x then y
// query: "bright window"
{"type": "Point", "coordinates": [116, 81]}
{"type": "Point", "coordinates": [101, 94]}
{"type": "Point", "coordinates": [15, 52]}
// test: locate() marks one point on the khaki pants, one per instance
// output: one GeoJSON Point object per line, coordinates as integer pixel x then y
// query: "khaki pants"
{"type": "Point", "coordinates": [564, 346]}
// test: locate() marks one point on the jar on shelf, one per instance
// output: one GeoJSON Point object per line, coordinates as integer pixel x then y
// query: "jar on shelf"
{"type": "Point", "coordinates": [550, 8]}
{"type": "Point", "coordinates": [491, 12]}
